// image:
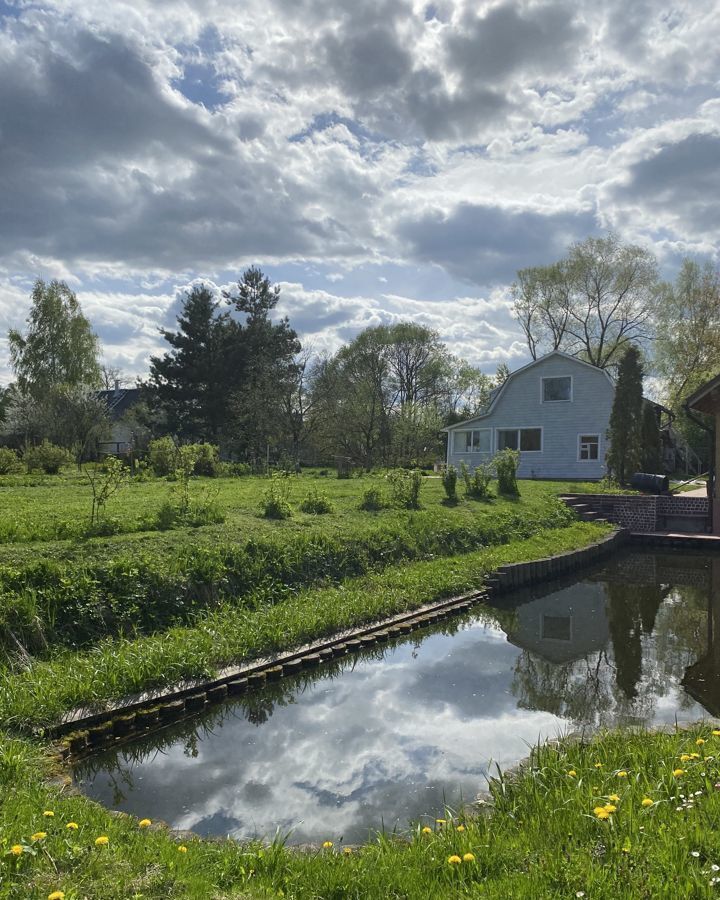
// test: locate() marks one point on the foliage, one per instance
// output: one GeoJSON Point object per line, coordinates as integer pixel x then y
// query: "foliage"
{"type": "Point", "coordinates": [46, 456]}
{"type": "Point", "coordinates": [625, 453]}
{"type": "Point", "coordinates": [449, 482]}
{"type": "Point", "coordinates": [274, 503]}
{"type": "Point", "coordinates": [477, 482]}
{"type": "Point", "coordinates": [405, 488]}
{"type": "Point", "coordinates": [506, 463]}
{"type": "Point", "coordinates": [59, 348]}
{"type": "Point", "coordinates": [105, 480]}
{"type": "Point", "coordinates": [207, 460]}
{"type": "Point", "coordinates": [10, 463]}
{"type": "Point", "coordinates": [650, 441]}
{"type": "Point", "coordinates": [316, 502]}
{"type": "Point", "coordinates": [372, 500]}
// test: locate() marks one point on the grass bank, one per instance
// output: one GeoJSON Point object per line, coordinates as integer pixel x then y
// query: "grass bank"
{"type": "Point", "coordinates": [627, 815]}
{"type": "Point", "coordinates": [263, 624]}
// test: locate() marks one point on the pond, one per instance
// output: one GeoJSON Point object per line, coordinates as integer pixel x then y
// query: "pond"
{"type": "Point", "coordinates": [399, 733]}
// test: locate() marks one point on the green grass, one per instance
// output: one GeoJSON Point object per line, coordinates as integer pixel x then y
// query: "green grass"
{"type": "Point", "coordinates": [232, 632]}
{"type": "Point", "coordinates": [539, 838]}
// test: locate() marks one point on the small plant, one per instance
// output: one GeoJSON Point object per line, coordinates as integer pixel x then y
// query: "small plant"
{"type": "Point", "coordinates": [317, 503]}
{"type": "Point", "coordinates": [161, 456]}
{"type": "Point", "coordinates": [449, 483]}
{"type": "Point", "coordinates": [372, 500]}
{"type": "Point", "coordinates": [275, 499]}
{"type": "Point", "coordinates": [506, 463]}
{"type": "Point", "coordinates": [46, 456]}
{"type": "Point", "coordinates": [105, 480]}
{"type": "Point", "coordinates": [405, 488]}
{"type": "Point", "coordinates": [207, 460]}
{"type": "Point", "coordinates": [477, 482]}
{"type": "Point", "coordinates": [9, 462]}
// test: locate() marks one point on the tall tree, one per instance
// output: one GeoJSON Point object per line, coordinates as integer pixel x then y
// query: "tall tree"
{"type": "Point", "coordinates": [650, 440]}
{"type": "Point", "coordinates": [59, 347]}
{"type": "Point", "coordinates": [592, 304]}
{"type": "Point", "coordinates": [625, 453]}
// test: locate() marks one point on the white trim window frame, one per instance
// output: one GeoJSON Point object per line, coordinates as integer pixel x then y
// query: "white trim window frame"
{"type": "Point", "coordinates": [545, 378]}
{"type": "Point", "coordinates": [584, 445]}
{"type": "Point", "coordinates": [519, 437]}
{"type": "Point", "coordinates": [473, 445]}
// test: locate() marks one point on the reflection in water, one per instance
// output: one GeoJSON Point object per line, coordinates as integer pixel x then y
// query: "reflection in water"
{"type": "Point", "coordinates": [398, 733]}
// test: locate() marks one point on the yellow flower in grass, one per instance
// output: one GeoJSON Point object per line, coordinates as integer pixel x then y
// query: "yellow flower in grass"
{"type": "Point", "coordinates": [454, 859]}
{"type": "Point", "coordinates": [468, 857]}
{"type": "Point", "coordinates": [16, 849]}
{"type": "Point", "coordinates": [427, 830]}
{"type": "Point", "coordinates": [694, 756]}
{"type": "Point", "coordinates": [646, 801]}
{"type": "Point", "coordinates": [598, 765]}
{"type": "Point", "coordinates": [716, 732]}
{"type": "Point", "coordinates": [38, 836]}
{"type": "Point", "coordinates": [685, 757]}
{"type": "Point", "coordinates": [49, 814]}
{"type": "Point", "coordinates": [102, 841]}
{"type": "Point", "coordinates": [622, 774]}
{"type": "Point", "coordinates": [572, 773]}
{"type": "Point", "coordinates": [72, 826]}
{"type": "Point", "coordinates": [699, 742]}
{"type": "Point", "coordinates": [347, 851]}
{"type": "Point", "coordinates": [460, 828]}
{"type": "Point", "coordinates": [601, 812]}
{"type": "Point", "coordinates": [144, 823]}
{"type": "Point", "coordinates": [441, 821]}
{"type": "Point", "coordinates": [613, 798]}
{"type": "Point", "coordinates": [327, 845]}
{"type": "Point", "coordinates": [610, 807]}
{"type": "Point", "coordinates": [678, 772]}
{"type": "Point", "coordinates": [57, 895]}
{"type": "Point", "coordinates": [182, 848]}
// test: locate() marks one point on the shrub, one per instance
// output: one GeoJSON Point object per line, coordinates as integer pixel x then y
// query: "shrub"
{"type": "Point", "coordinates": [405, 488]}
{"type": "Point", "coordinates": [9, 462]}
{"type": "Point", "coordinates": [372, 500]}
{"type": "Point", "coordinates": [477, 482]}
{"type": "Point", "coordinates": [449, 483]}
{"type": "Point", "coordinates": [275, 500]}
{"type": "Point", "coordinates": [162, 455]}
{"type": "Point", "coordinates": [506, 463]}
{"type": "Point", "coordinates": [46, 456]}
{"type": "Point", "coordinates": [207, 460]}
{"type": "Point", "coordinates": [317, 503]}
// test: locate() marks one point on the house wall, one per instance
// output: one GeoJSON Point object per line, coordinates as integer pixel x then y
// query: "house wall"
{"type": "Point", "coordinates": [520, 405]}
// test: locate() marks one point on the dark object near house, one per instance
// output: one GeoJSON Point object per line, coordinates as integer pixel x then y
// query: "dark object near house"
{"type": "Point", "coordinates": [651, 484]}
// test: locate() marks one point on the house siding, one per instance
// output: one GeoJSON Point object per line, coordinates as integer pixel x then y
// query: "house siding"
{"type": "Point", "coordinates": [520, 406]}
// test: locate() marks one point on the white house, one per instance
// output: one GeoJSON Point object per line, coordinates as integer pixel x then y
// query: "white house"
{"type": "Point", "coordinates": [555, 411]}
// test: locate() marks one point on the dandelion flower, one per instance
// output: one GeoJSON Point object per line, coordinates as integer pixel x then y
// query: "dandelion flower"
{"type": "Point", "coordinates": [461, 828]}
{"type": "Point", "coordinates": [102, 841]}
{"type": "Point", "coordinates": [182, 848]}
{"type": "Point", "coordinates": [144, 823]}
{"type": "Point", "coordinates": [695, 853]}
{"type": "Point", "coordinates": [469, 857]}
{"type": "Point", "coordinates": [57, 895]}
{"type": "Point", "coordinates": [646, 801]}
{"type": "Point", "coordinates": [347, 851]}
{"type": "Point", "coordinates": [610, 807]}
{"type": "Point", "coordinates": [601, 812]}
{"type": "Point", "coordinates": [678, 772]}
{"type": "Point", "coordinates": [622, 774]}
{"type": "Point", "coordinates": [699, 742]}
{"type": "Point", "coordinates": [427, 830]}
{"type": "Point", "coordinates": [572, 773]}
{"type": "Point", "coordinates": [441, 821]}
{"type": "Point", "coordinates": [716, 732]}
{"type": "Point", "coordinates": [685, 757]}
{"type": "Point", "coordinates": [597, 766]}
{"type": "Point", "coordinates": [327, 845]}
{"type": "Point", "coordinates": [16, 849]}
{"type": "Point", "coordinates": [454, 859]}
{"type": "Point", "coordinates": [72, 826]}
{"type": "Point", "coordinates": [38, 836]}
{"type": "Point", "coordinates": [49, 814]}
{"type": "Point", "coordinates": [694, 756]}
{"type": "Point", "coordinates": [613, 798]}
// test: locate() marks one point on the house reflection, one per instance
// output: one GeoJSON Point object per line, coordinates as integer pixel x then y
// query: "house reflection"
{"type": "Point", "coordinates": [702, 678]}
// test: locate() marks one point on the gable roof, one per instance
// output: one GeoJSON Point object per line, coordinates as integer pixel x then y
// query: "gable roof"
{"type": "Point", "coordinates": [499, 391]}
{"type": "Point", "coordinates": [119, 401]}
{"type": "Point", "coordinates": [706, 398]}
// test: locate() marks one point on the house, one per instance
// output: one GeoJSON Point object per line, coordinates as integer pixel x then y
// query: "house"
{"type": "Point", "coordinates": [555, 411]}
{"type": "Point", "coordinates": [121, 438]}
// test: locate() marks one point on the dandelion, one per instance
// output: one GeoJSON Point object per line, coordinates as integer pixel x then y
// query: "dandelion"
{"type": "Point", "coordinates": [572, 773]}
{"type": "Point", "coordinates": [601, 812]}
{"type": "Point", "coordinates": [102, 841]}
{"type": "Point", "coordinates": [613, 798]}
{"type": "Point", "coordinates": [622, 774]}
{"type": "Point", "coordinates": [597, 766]}
{"type": "Point", "coordinates": [715, 867]}
{"type": "Point", "coordinates": [441, 821]}
{"type": "Point", "coordinates": [16, 849]}
{"type": "Point", "coordinates": [610, 807]}
{"type": "Point", "coordinates": [72, 826]}
{"type": "Point", "coordinates": [694, 756]}
{"type": "Point", "coordinates": [685, 757]}
{"type": "Point", "coordinates": [646, 801]}
{"type": "Point", "coordinates": [695, 853]}
{"type": "Point", "coordinates": [38, 836]}
{"type": "Point", "coordinates": [454, 859]}
{"type": "Point", "coordinates": [347, 851]}
{"type": "Point", "coordinates": [427, 830]}
{"type": "Point", "coordinates": [57, 895]}
{"type": "Point", "coordinates": [144, 823]}
{"type": "Point", "coordinates": [678, 772]}
{"type": "Point", "coordinates": [699, 742]}
{"type": "Point", "coordinates": [461, 828]}
{"type": "Point", "coordinates": [49, 814]}
{"type": "Point", "coordinates": [182, 848]}
{"type": "Point", "coordinates": [469, 857]}
{"type": "Point", "coordinates": [716, 732]}
{"type": "Point", "coordinates": [327, 845]}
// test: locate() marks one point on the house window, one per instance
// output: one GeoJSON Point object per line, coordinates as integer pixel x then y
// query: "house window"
{"type": "Point", "coordinates": [477, 441]}
{"type": "Point", "coordinates": [588, 446]}
{"type": "Point", "coordinates": [527, 439]}
{"type": "Point", "coordinates": [558, 389]}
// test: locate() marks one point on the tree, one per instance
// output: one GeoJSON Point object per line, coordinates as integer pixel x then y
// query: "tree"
{"type": "Point", "coordinates": [59, 347]}
{"type": "Point", "coordinates": [650, 441]}
{"type": "Point", "coordinates": [112, 377]}
{"type": "Point", "coordinates": [592, 304]}
{"type": "Point", "coordinates": [625, 453]}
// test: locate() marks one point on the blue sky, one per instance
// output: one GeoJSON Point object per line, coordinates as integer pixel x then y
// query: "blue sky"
{"type": "Point", "coordinates": [385, 160]}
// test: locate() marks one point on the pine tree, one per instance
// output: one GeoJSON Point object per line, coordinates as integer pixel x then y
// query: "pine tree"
{"type": "Point", "coordinates": [624, 433]}
{"type": "Point", "coordinates": [650, 440]}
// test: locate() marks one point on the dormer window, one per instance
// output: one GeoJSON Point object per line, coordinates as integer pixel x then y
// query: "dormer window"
{"type": "Point", "coordinates": [557, 389]}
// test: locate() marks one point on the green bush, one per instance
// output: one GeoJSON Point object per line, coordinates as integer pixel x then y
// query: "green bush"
{"type": "Point", "coordinates": [477, 482]}
{"type": "Point", "coordinates": [405, 488]}
{"type": "Point", "coordinates": [162, 455]}
{"type": "Point", "coordinates": [207, 461]}
{"type": "Point", "coordinates": [232, 469]}
{"type": "Point", "coordinates": [506, 463]}
{"type": "Point", "coordinates": [317, 503]}
{"type": "Point", "coordinates": [372, 500]}
{"type": "Point", "coordinates": [449, 483]}
{"type": "Point", "coordinates": [9, 462]}
{"type": "Point", "coordinates": [46, 456]}
{"type": "Point", "coordinates": [274, 503]}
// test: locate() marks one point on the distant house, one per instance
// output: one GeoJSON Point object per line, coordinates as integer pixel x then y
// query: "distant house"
{"type": "Point", "coordinates": [555, 411]}
{"type": "Point", "coordinates": [119, 401]}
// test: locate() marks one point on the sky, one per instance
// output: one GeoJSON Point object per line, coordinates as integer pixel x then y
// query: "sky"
{"type": "Point", "coordinates": [380, 160]}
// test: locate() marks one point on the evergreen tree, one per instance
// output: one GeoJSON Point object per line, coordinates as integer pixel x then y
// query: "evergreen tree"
{"type": "Point", "coordinates": [625, 453]}
{"type": "Point", "coordinates": [650, 440]}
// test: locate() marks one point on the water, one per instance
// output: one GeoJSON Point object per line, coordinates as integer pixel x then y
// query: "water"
{"type": "Point", "coordinates": [397, 734]}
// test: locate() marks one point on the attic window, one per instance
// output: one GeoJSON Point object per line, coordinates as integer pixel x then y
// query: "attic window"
{"type": "Point", "coordinates": [557, 389]}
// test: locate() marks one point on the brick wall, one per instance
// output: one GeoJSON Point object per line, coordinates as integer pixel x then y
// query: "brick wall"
{"type": "Point", "coordinates": [649, 512]}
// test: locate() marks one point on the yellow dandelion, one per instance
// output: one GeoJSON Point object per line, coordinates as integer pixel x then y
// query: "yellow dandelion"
{"type": "Point", "coordinates": [678, 772]}
{"type": "Point", "coordinates": [622, 774]}
{"type": "Point", "coordinates": [461, 828]}
{"type": "Point", "coordinates": [72, 826]}
{"type": "Point", "coordinates": [694, 756]}
{"type": "Point", "coordinates": [716, 732]}
{"type": "Point", "coordinates": [646, 801]}
{"type": "Point", "coordinates": [16, 849]}
{"type": "Point", "coordinates": [347, 851]}
{"type": "Point", "coordinates": [613, 798]}
{"type": "Point", "coordinates": [699, 742]}
{"type": "Point", "coordinates": [49, 814]}
{"type": "Point", "coordinates": [454, 859]}
{"type": "Point", "coordinates": [610, 807]}
{"type": "Point", "coordinates": [685, 757]}
{"type": "Point", "coordinates": [441, 821]}
{"type": "Point", "coordinates": [38, 836]}
{"type": "Point", "coordinates": [182, 848]}
{"type": "Point", "coordinates": [327, 845]}
{"type": "Point", "coordinates": [144, 823]}
{"type": "Point", "coordinates": [57, 895]}
{"type": "Point", "coordinates": [427, 830]}
{"type": "Point", "coordinates": [469, 857]}
{"type": "Point", "coordinates": [572, 773]}
{"type": "Point", "coordinates": [598, 765]}
{"type": "Point", "coordinates": [601, 812]}
{"type": "Point", "coordinates": [102, 841]}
